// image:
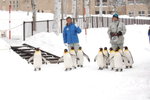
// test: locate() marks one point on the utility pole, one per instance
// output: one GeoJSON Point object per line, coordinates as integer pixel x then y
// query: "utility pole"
{"type": "Point", "coordinates": [134, 8]}
{"type": "Point", "coordinates": [100, 7]}
{"type": "Point", "coordinates": [62, 9]}
{"type": "Point", "coordinates": [34, 14]}
{"type": "Point", "coordinates": [57, 17]}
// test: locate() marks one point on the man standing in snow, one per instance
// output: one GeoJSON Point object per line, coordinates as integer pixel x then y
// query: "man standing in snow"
{"type": "Point", "coordinates": [116, 31]}
{"type": "Point", "coordinates": [149, 34]}
{"type": "Point", "coordinates": [70, 34]}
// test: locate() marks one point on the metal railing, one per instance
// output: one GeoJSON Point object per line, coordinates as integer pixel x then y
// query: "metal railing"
{"type": "Point", "coordinates": [93, 22]}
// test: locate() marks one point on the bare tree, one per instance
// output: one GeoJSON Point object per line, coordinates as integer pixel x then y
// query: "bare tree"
{"type": "Point", "coordinates": [34, 14]}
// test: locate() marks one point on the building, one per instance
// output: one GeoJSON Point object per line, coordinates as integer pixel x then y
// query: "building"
{"type": "Point", "coordinates": [123, 7]}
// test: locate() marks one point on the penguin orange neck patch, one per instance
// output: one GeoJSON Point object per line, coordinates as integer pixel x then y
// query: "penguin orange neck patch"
{"type": "Point", "coordinates": [37, 51]}
{"type": "Point", "coordinates": [112, 51]}
{"type": "Point", "coordinates": [65, 52]}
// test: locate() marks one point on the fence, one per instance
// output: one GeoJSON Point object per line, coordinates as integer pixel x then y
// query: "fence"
{"type": "Point", "coordinates": [93, 22]}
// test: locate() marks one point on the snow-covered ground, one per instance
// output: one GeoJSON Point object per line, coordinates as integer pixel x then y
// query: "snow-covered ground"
{"type": "Point", "coordinates": [18, 81]}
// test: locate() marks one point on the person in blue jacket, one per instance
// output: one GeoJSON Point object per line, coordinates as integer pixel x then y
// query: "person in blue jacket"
{"type": "Point", "coordinates": [149, 34]}
{"type": "Point", "coordinates": [70, 34]}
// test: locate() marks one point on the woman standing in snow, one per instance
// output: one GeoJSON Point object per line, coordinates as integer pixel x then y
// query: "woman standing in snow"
{"type": "Point", "coordinates": [70, 34]}
{"type": "Point", "coordinates": [149, 34]}
{"type": "Point", "coordinates": [116, 32]}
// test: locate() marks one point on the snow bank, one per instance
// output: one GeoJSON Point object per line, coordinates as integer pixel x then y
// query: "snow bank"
{"type": "Point", "coordinates": [4, 45]}
{"type": "Point", "coordinates": [49, 42]}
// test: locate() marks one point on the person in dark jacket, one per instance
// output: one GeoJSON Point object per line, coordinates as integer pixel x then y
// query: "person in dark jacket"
{"type": "Point", "coordinates": [149, 34]}
{"type": "Point", "coordinates": [70, 34]}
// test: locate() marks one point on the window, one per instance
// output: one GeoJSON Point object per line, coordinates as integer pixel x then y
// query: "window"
{"type": "Point", "coordinates": [97, 3]}
{"type": "Point", "coordinates": [141, 13]}
{"type": "Point", "coordinates": [96, 12]}
{"type": "Point", "coordinates": [109, 12]}
{"type": "Point", "coordinates": [131, 14]}
{"type": "Point", "coordinates": [104, 0]}
{"type": "Point", "coordinates": [130, 1]}
{"type": "Point", "coordinates": [148, 13]}
{"type": "Point", "coordinates": [104, 12]}
{"type": "Point", "coordinates": [10, 2]}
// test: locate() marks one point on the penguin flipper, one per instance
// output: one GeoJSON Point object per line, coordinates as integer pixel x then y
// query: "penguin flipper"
{"type": "Point", "coordinates": [86, 56]}
{"type": "Point", "coordinates": [31, 58]}
{"type": "Point", "coordinates": [45, 60]}
{"type": "Point", "coordinates": [60, 60]}
{"type": "Point", "coordinates": [131, 56]}
{"type": "Point", "coordinates": [95, 58]}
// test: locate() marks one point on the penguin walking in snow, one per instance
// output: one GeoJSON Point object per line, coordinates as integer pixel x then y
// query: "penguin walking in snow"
{"type": "Point", "coordinates": [68, 63]}
{"type": "Point", "coordinates": [106, 57]}
{"type": "Point", "coordinates": [100, 59]}
{"type": "Point", "coordinates": [111, 60]}
{"type": "Point", "coordinates": [129, 61]}
{"type": "Point", "coordinates": [118, 61]}
{"type": "Point", "coordinates": [124, 57]}
{"type": "Point", "coordinates": [74, 57]}
{"type": "Point", "coordinates": [81, 55]}
{"type": "Point", "coordinates": [37, 59]}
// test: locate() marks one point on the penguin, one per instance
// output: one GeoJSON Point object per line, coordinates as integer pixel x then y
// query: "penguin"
{"type": "Point", "coordinates": [81, 55]}
{"type": "Point", "coordinates": [37, 59]}
{"type": "Point", "coordinates": [74, 57]}
{"type": "Point", "coordinates": [67, 60]}
{"type": "Point", "coordinates": [100, 59]}
{"type": "Point", "coordinates": [106, 57]}
{"type": "Point", "coordinates": [120, 50]}
{"type": "Point", "coordinates": [111, 60]}
{"type": "Point", "coordinates": [118, 61]}
{"type": "Point", "coordinates": [129, 61]}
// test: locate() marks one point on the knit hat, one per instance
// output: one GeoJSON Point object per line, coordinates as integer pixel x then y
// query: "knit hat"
{"type": "Point", "coordinates": [116, 15]}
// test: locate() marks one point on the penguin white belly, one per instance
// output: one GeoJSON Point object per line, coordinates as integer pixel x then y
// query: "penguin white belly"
{"type": "Point", "coordinates": [81, 58]}
{"type": "Point", "coordinates": [129, 57]}
{"type": "Point", "coordinates": [68, 61]}
{"type": "Point", "coordinates": [100, 60]}
{"type": "Point", "coordinates": [118, 61]}
{"type": "Point", "coordinates": [74, 59]}
{"type": "Point", "coordinates": [37, 60]}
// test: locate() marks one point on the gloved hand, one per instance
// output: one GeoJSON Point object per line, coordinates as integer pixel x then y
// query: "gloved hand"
{"type": "Point", "coordinates": [112, 34]}
{"type": "Point", "coordinates": [66, 44]}
{"type": "Point", "coordinates": [76, 25]}
{"type": "Point", "coordinates": [119, 33]}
